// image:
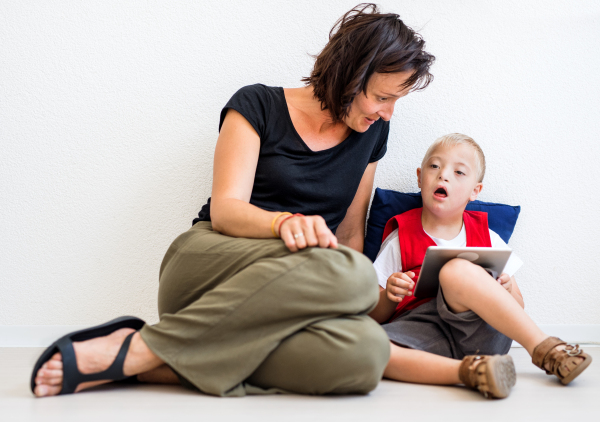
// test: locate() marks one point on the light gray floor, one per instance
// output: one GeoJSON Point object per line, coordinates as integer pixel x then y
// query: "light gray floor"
{"type": "Point", "coordinates": [536, 397]}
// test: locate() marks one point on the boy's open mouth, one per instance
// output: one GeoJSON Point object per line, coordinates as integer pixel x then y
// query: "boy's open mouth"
{"type": "Point", "coordinates": [440, 192]}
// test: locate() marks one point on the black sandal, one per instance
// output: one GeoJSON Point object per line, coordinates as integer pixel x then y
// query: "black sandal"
{"type": "Point", "coordinates": [71, 375]}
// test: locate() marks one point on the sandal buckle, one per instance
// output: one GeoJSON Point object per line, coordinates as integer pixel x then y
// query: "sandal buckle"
{"type": "Point", "coordinates": [571, 350]}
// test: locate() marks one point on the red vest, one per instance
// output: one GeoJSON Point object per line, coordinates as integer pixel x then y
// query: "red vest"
{"type": "Point", "coordinates": [414, 243]}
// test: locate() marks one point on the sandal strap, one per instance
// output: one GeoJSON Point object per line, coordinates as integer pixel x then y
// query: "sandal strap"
{"type": "Point", "coordinates": [70, 371]}
{"type": "Point", "coordinates": [72, 377]}
{"type": "Point", "coordinates": [468, 376]}
{"type": "Point", "coordinates": [544, 350]}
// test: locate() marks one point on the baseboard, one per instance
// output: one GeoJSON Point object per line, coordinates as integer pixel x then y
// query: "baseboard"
{"type": "Point", "coordinates": [582, 334]}
{"type": "Point", "coordinates": [44, 335]}
{"type": "Point", "coordinates": [33, 335]}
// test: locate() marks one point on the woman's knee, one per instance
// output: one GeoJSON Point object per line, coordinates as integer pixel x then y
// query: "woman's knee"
{"type": "Point", "coordinates": [366, 358]}
{"type": "Point", "coordinates": [336, 356]}
{"type": "Point", "coordinates": [351, 273]}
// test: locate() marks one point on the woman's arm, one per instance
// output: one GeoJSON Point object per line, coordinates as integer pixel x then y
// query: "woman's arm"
{"type": "Point", "coordinates": [351, 231]}
{"type": "Point", "coordinates": [236, 158]}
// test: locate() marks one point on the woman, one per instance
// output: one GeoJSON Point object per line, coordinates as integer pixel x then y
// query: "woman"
{"type": "Point", "coordinates": [268, 290]}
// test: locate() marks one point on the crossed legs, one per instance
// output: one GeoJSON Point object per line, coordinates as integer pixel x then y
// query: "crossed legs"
{"type": "Point", "coordinates": [466, 287]}
{"type": "Point", "coordinates": [227, 305]}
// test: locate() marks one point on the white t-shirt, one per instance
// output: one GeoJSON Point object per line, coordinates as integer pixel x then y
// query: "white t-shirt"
{"type": "Point", "coordinates": [389, 259]}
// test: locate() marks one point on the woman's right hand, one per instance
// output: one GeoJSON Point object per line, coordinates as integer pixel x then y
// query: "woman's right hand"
{"type": "Point", "coordinates": [299, 232]}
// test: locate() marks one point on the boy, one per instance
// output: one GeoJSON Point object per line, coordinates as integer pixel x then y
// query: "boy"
{"type": "Point", "coordinates": [473, 313]}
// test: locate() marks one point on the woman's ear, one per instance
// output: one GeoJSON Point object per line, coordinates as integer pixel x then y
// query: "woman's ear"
{"type": "Point", "coordinates": [476, 191]}
{"type": "Point", "coordinates": [419, 176]}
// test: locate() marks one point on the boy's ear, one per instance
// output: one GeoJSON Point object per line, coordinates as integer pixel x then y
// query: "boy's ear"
{"type": "Point", "coordinates": [476, 191]}
{"type": "Point", "coordinates": [419, 177]}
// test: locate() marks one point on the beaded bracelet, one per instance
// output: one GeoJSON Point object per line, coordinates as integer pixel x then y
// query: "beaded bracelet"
{"type": "Point", "coordinates": [275, 219]}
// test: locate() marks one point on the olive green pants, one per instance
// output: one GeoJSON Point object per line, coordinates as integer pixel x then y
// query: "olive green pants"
{"type": "Point", "coordinates": [246, 316]}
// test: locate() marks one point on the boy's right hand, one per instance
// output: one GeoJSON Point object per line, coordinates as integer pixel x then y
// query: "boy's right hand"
{"type": "Point", "coordinates": [399, 285]}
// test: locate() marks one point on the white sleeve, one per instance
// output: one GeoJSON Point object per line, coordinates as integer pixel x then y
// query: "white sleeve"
{"type": "Point", "coordinates": [388, 259]}
{"type": "Point", "coordinates": [514, 262]}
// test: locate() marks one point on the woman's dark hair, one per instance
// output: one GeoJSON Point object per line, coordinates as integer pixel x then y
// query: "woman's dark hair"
{"type": "Point", "coordinates": [363, 42]}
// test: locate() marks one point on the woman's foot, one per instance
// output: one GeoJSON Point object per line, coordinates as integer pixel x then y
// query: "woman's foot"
{"type": "Point", "coordinates": [558, 358]}
{"type": "Point", "coordinates": [94, 356]}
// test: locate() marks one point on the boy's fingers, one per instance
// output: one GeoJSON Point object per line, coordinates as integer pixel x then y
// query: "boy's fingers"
{"type": "Point", "coordinates": [393, 297]}
{"type": "Point", "coordinates": [408, 274]}
{"type": "Point", "coordinates": [408, 282]}
{"type": "Point", "coordinates": [399, 291]}
{"type": "Point", "coordinates": [405, 284]}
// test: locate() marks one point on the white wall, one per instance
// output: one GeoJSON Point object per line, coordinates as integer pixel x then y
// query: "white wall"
{"type": "Point", "coordinates": [109, 114]}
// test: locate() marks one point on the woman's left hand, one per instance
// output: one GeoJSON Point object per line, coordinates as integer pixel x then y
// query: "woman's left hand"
{"type": "Point", "coordinates": [299, 232]}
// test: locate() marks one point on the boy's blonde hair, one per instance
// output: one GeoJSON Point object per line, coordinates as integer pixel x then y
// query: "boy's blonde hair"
{"type": "Point", "coordinates": [453, 139]}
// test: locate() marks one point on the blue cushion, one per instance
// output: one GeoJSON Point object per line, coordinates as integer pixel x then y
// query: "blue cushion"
{"type": "Point", "coordinates": [388, 203]}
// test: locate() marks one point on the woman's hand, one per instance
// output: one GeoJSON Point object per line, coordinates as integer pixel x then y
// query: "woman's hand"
{"type": "Point", "coordinates": [299, 232]}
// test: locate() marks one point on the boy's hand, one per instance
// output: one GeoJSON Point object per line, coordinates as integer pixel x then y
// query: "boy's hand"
{"type": "Point", "coordinates": [399, 285]}
{"type": "Point", "coordinates": [505, 281]}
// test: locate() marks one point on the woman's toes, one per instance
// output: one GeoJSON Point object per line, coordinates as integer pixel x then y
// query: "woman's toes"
{"type": "Point", "coordinates": [49, 378]}
{"type": "Point", "coordinates": [46, 390]}
{"type": "Point", "coordinates": [53, 364]}
{"type": "Point", "coordinates": [50, 373]}
{"type": "Point", "coordinates": [54, 381]}
{"type": "Point", "coordinates": [41, 390]}
{"type": "Point", "coordinates": [48, 381]}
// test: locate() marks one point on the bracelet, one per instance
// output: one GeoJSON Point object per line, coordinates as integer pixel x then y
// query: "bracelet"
{"type": "Point", "coordinates": [287, 217]}
{"type": "Point", "coordinates": [275, 219]}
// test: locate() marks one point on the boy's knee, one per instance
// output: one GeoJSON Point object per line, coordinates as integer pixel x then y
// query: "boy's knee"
{"type": "Point", "coordinates": [453, 271]}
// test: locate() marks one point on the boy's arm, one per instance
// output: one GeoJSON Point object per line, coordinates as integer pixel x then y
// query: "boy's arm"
{"type": "Point", "coordinates": [385, 307]}
{"type": "Point", "coordinates": [393, 283]}
{"type": "Point", "coordinates": [398, 286]}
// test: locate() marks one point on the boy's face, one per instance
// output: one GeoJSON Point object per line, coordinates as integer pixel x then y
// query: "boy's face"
{"type": "Point", "coordinates": [449, 180]}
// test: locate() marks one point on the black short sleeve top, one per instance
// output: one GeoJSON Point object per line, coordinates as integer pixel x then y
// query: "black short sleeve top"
{"type": "Point", "coordinates": [289, 175]}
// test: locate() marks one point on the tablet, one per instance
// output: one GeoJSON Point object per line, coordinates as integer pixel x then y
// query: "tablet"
{"type": "Point", "coordinates": [492, 259]}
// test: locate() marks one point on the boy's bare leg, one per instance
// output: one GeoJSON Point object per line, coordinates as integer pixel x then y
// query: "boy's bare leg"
{"type": "Point", "coordinates": [467, 286]}
{"type": "Point", "coordinates": [421, 367]}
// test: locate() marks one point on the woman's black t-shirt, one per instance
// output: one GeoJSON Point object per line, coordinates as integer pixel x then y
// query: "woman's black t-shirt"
{"type": "Point", "coordinates": [289, 175]}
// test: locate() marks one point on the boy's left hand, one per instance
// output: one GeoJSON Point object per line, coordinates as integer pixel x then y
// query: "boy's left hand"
{"type": "Point", "coordinates": [505, 281]}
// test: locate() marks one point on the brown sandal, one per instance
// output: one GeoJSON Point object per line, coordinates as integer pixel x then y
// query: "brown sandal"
{"type": "Point", "coordinates": [493, 376]}
{"type": "Point", "coordinates": [545, 352]}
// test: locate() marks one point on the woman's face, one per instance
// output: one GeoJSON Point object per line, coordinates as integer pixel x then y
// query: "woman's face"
{"type": "Point", "coordinates": [383, 90]}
